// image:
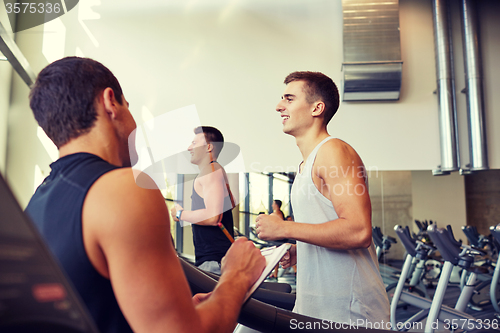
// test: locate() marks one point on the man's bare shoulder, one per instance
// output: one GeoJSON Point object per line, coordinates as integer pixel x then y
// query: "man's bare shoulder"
{"type": "Point", "coordinates": [338, 152]}
{"type": "Point", "coordinates": [335, 158]}
{"type": "Point", "coordinates": [124, 192]}
{"type": "Point", "coordinates": [121, 174]}
{"type": "Point", "coordinates": [215, 174]}
{"type": "Point", "coordinates": [127, 178]}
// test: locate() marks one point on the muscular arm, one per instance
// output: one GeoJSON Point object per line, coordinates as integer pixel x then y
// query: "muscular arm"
{"type": "Point", "coordinates": [127, 238]}
{"type": "Point", "coordinates": [338, 175]}
{"type": "Point", "coordinates": [213, 192]}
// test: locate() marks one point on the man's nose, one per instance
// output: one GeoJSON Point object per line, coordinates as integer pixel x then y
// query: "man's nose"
{"type": "Point", "coordinates": [279, 106]}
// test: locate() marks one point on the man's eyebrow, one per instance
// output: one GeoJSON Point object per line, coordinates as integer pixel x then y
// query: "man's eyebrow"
{"type": "Point", "coordinates": [288, 95]}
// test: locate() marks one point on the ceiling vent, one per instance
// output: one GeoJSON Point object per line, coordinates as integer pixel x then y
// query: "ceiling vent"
{"type": "Point", "coordinates": [372, 52]}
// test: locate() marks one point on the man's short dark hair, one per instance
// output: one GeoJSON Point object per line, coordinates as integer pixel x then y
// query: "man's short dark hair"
{"type": "Point", "coordinates": [318, 86]}
{"type": "Point", "coordinates": [64, 95]}
{"type": "Point", "coordinates": [278, 203]}
{"type": "Point", "coordinates": [213, 136]}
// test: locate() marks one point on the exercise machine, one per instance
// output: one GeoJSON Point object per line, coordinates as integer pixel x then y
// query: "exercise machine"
{"type": "Point", "coordinates": [437, 314]}
{"type": "Point", "coordinates": [495, 232]}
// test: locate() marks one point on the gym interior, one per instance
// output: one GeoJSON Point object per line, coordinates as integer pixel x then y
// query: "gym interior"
{"type": "Point", "coordinates": [228, 58]}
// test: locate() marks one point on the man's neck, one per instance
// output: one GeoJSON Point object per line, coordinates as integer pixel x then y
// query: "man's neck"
{"type": "Point", "coordinates": [309, 140]}
{"type": "Point", "coordinates": [206, 166]}
{"type": "Point", "coordinates": [93, 144]}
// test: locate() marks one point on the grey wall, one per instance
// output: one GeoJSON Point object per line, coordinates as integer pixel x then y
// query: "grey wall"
{"type": "Point", "coordinates": [392, 204]}
{"type": "Point", "coordinates": [441, 199]}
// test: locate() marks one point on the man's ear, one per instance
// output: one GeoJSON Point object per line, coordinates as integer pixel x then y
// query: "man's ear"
{"type": "Point", "coordinates": [210, 147]}
{"type": "Point", "coordinates": [109, 102]}
{"type": "Point", "coordinates": [319, 108]}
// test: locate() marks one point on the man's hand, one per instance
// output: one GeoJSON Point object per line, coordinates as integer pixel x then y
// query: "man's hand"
{"type": "Point", "coordinates": [174, 210]}
{"type": "Point", "coordinates": [270, 227]}
{"type": "Point", "coordinates": [201, 297]}
{"type": "Point", "coordinates": [290, 257]}
{"type": "Point", "coordinates": [244, 260]}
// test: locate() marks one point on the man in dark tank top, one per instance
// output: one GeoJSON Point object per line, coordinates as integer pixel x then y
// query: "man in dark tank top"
{"type": "Point", "coordinates": [110, 235]}
{"type": "Point", "coordinates": [211, 201]}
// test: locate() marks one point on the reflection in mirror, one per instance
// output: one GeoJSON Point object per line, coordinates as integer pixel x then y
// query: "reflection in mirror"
{"type": "Point", "coordinates": [263, 188]}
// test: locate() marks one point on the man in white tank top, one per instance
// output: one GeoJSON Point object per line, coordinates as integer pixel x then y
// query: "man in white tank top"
{"type": "Point", "coordinates": [337, 269]}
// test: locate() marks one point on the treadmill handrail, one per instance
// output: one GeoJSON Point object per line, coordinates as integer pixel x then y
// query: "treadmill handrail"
{"type": "Point", "coordinates": [267, 318]}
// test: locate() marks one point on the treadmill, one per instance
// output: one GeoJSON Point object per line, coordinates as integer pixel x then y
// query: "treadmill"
{"type": "Point", "coordinates": [35, 295]}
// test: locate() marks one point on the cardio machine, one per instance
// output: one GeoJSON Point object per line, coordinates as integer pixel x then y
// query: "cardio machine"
{"type": "Point", "coordinates": [495, 232]}
{"type": "Point", "coordinates": [486, 244]}
{"type": "Point", "coordinates": [383, 243]}
{"type": "Point", "coordinates": [437, 314]}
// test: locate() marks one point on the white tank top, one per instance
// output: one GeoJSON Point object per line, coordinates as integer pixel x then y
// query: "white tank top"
{"type": "Point", "coordinates": [338, 285]}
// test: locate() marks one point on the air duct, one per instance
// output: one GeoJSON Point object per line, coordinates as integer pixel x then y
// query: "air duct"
{"type": "Point", "coordinates": [372, 54]}
{"type": "Point", "coordinates": [445, 89]}
{"type": "Point", "coordinates": [474, 88]}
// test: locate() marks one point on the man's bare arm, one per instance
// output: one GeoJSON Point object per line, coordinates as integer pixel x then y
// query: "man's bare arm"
{"type": "Point", "coordinates": [213, 192]}
{"type": "Point", "coordinates": [339, 176]}
{"type": "Point", "coordinates": [127, 238]}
